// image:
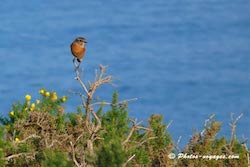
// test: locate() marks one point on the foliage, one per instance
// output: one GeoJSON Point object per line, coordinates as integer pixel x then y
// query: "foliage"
{"type": "Point", "coordinates": [206, 144]}
{"type": "Point", "coordinates": [54, 158]}
{"type": "Point", "coordinates": [38, 133]}
{"type": "Point", "coordinates": [116, 126]}
{"type": "Point", "coordinates": [42, 137]}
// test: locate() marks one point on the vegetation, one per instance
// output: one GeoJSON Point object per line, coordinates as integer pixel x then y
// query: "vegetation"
{"type": "Point", "coordinates": [39, 133]}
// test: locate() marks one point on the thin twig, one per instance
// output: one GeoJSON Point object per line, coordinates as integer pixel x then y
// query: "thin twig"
{"type": "Point", "coordinates": [206, 124]}
{"type": "Point", "coordinates": [78, 78]}
{"type": "Point", "coordinates": [168, 125]}
{"type": "Point", "coordinates": [31, 155]}
{"type": "Point", "coordinates": [177, 144]}
{"type": "Point", "coordinates": [129, 159]}
{"type": "Point", "coordinates": [116, 104]}
{"type": "Point", "coordinates": [82, 84]}
{"type": "Point", "coordinates": [29, 137]}
{"type": "Point", "coordinates": [99, 123]}
{"type": "Point", "coordinates": [81, 95]}
{"type": "Point", "coordinates": [147, 139]}
{"type": "Point", "coordinates": [74, 156]}
{"type": "Point", "coordinates": [135, 126]}
{"type": "Point", "coordinates": [233, 125]}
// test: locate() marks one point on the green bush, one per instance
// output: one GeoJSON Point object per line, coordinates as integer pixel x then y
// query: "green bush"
{"type": "Point", "coordinates": [43, 136]}
{"type": "Point", "coordinates": [38, 133]}
{"type": "Point", "coordinates": [54, 158]}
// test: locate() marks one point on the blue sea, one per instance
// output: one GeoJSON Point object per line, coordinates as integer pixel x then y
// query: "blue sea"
{"type": "Point", "coordinates": [183, 59]}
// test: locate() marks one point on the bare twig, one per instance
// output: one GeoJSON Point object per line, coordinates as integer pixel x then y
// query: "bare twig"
{"type": "Point", "coordinates": [130, 133]}
{"type": "Point", "coordinates": [82, 84]}
{"type": "Point", "coordinates": [147, 139]}
{"type": "Point", "coordinates": [233, 125]}
{"type": "Point", "coordinates": [168, 125]}
{"type": "Point", "coordinates": [78, 78]}
{"type": "Point", "coordinates": [116, 104]}
{"type": "Point", "coordinates": [177, 144]}
{"type": "Point", "coordinates": [52, 143]}
{"type": "Point", "coordinates": [244, 143]}
{"type": "Point", "coordinates": [99, 123]}
{"type": "Point", "coordinates": [81, 95]}
{"type": "Point", "coordinates": [27, 155]}
{"type": "Point", "coordinates": [207, 121]}
{"type": "Point", "coordinates": [129, 159]}
{"type": "Point", "coordinates": [230, 152]}
{"type": "Point", "coordinates": [29, 137]}
{"type": "Point", "coordinates": [74, 155]}
{"type": "Point", "coordinates": [135, 126]}
{"type": "Point", "coordinates": [100, 79]}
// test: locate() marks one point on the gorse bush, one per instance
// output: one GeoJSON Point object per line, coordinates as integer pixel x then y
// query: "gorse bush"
{"type": "Point", "coordinates": [39, 133]}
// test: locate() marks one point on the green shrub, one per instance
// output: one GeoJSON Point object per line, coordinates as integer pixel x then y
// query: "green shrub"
{"type": "Point", "coordinates": [38, 133]}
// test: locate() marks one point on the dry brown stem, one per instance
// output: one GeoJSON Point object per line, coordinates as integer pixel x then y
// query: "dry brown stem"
{"type": "Point", "coordinates": [30, 156]}
{"type": "Point", "coordinates": [99, 80]}
{"type": "Point", "coordinates": [233, 125]}
{"type": "Point", "coordinates": [135, 126]}
{"type": "Point", "coordinates": [207, 121]}
{"type": "Point", "coordinates": [87, 98]}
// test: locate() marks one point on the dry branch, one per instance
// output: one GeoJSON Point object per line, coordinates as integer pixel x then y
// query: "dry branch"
{"type": "Point", "coordinates": [233, 125]}
{"type": "Point", "coordinates": [135, 126]}
{"type": "Point", "coordinates": [74, 155]}
{"type": "Point", "coordinates": [29, 137]}
{"type": "Point", "coordinates": [99, 80]}
{"type": "Point", "coordinates": [26, 155]}
{"type": "Point", "coordinates": [121, 103]}
{"type": "Point", "coordinates": [129, 159]}
{"type": "Point", "coordinates": [207, 121]}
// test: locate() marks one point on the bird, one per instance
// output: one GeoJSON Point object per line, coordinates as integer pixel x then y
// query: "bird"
{"type": "Point", "coordinates": [78, 49]}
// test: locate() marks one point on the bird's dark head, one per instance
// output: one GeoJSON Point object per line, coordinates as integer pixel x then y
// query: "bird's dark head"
{"type": "Point", "coordinates": [81, 40]}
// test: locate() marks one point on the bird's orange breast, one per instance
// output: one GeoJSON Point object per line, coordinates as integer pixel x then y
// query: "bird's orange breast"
{"type": "Point", "coordinates": [77, 50]}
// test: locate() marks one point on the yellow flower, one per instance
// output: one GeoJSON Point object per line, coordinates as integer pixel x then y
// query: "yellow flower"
{"type": "Point", "coordinates": [64, 98]}
{"type": "Point", "coordinates": [12, 113]}
{"type": "Point", "coordinates": [37, 101]}
{"type": "Point", "coordinates": [47, 94]}
{"type": "Point", "coordinates": [54, 96]}
{"type": "Point", "coordinates": [17, 139]}
{"type": "Point", "coordinates": [28, 97]}
{"type": "Point", "coordinates": [33, 105]}
{"type": "Point", "coordinates": [42, 91]}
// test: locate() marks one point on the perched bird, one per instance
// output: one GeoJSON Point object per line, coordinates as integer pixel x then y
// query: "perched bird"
{"type": "Point", "coordinates": [78, 48]}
